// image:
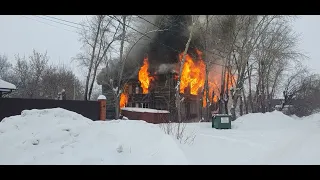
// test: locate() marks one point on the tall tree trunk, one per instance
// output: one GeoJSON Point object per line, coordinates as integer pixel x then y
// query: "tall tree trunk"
{"type": "Point", "coordinates": [117, 106]}
{"type": "Point", "coordinates": [122, 62]}
{"type": "Point", "coordinates": [206, 87]}
{"type": "Point", "coordinates": [245, 102]}
{"type": "Point", "coordinates": [91, 60]}
{"type": "Point", "coordinates": [206, 76]}
{"type": "Point", "coordinates": [178, 103]}
{"type": "Point", "coordinates": [250, 90]}
{"type": "Point", "coordinates": [92, 82]}
{"type": "Point", "coordinates": [263, 107]}
{"type": "Point", "coordinates": [221, 100]}
{"type": "Point", "coordinates": [226, 100]}
{"type": "Point", "coordinates": [241, 106]}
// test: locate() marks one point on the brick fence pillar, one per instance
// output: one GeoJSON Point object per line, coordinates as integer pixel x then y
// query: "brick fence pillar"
{"type": "Point", "coordinates": [103, 107]}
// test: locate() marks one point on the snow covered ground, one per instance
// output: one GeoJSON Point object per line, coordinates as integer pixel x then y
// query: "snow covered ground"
{"type": "Point", "coordinates": [271, 138]}
{"type": "Point", "coordinates": [57, 136]}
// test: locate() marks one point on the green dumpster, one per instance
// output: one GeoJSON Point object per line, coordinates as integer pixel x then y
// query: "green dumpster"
{"type": "Point", "coordinates": [221, 121]}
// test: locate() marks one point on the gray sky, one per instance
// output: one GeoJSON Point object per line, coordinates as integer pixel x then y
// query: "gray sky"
{"type": "Point", "coordinates": [21, 34]}
{"type": "Point", "coordinates": [309, 27]}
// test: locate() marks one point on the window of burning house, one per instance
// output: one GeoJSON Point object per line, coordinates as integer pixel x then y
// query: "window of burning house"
{"type": "Point", "coordinates": [130, 88]}
{"type": "Point", "coordinates": [193, 108]}
{"type": "Point", "coordinates": [160, 105]}
{"type": "Point", "coordinates": [145, 105]}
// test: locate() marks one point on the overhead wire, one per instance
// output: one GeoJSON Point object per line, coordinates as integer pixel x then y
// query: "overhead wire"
{"type": "Point", "coordinates": [57, 22]}
{"type": "Point", "coordinates": [144, 34]}
{"type": "Point", "coordinates": [47, 23]}
{"type": "Point", "coordinates": [67, 21]}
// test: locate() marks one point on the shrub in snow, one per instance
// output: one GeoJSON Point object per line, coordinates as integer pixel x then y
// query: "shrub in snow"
{"type": "Point", "coordinates": [182, 136]}
{"type": "Point", "coordinates": [35, 142]}
{"type": "Point", "coordinates": [120, 149]}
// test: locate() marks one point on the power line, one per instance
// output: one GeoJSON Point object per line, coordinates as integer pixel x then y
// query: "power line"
{"type": "Point", "coordinates": [67, 24]}
{"type": "Point", "coordinates": [67, 21]}
{"type": "Point", "coordinates": [58, 22]}
{"type": "Point", "coordinates": [144, 34]}
{"type": "Point", "coordinates": [47, 24]}
{"type": "Point", "coordinates": [72, 23]}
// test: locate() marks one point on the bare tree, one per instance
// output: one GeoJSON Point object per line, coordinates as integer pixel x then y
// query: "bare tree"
{"type": "Point", "coordinates": [27, 75]}
{"type": "Point", "coordinates": [178, 99]}
{"type": "Point", "coordinates": [203, 28]}
{"type": "Point", "coordinates": [247, 37]}
{"type": "Point", "coordinates": [305, 95]}
{"type": "Point", "coordinates": [104, 46]}
{"type": "Point", "coordinates": [97, 39]}
{"type": "Point", "coordinates": [276, 54]}
{"type": "Point", "coordinates": [4, 66]}
{"type": "Point", "coordinates": [58, 78]}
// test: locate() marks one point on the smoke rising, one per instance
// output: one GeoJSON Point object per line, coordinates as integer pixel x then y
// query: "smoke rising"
{"type": "Point", "coordinates": [175, 36]}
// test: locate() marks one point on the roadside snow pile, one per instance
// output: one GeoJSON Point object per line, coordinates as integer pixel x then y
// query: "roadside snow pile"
{"type": "Point", "coordinates": [58, 136]}
{"type": "Point", "coordinates": [270, 120]}
{"type": "Point", "coordinates": [270, 138]}
{"type": "Point", "coordinates": [314, 117]}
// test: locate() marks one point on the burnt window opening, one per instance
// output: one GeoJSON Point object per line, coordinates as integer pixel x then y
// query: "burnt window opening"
{"type": "Point", "coordinates": [130, 89]}
{"type": "Point", "coordinates": [145, 105]}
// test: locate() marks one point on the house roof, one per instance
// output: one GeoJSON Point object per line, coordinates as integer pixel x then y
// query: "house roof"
{"type": "Point", "coordinates": [6, 86]}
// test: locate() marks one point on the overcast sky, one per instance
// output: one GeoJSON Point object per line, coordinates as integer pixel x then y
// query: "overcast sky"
{"type": "Point", "coordinates": [21, 34]}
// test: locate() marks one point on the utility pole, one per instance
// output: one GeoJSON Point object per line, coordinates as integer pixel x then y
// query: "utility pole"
{"type": "Point", "coordinates": [74, 89]}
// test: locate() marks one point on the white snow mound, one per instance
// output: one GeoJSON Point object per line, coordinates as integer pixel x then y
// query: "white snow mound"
{"type": "Point", "coordinates": [58, 136]}
{"type": "Point", "coordinates": [269, 120]}
{"type": "Point", "coordinates": [6, 85]}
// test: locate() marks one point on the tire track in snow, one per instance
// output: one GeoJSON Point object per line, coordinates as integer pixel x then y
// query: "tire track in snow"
{"type": "Point", "coordinates": [294, 143]}
{"type": "Point", "coordinates": [234, 140]}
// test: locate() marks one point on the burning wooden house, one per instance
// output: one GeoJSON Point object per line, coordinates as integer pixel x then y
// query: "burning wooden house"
{"type": "Point", "coordinates": [154, 87]}
{"type": "Point", "coordinates": [153, 80]}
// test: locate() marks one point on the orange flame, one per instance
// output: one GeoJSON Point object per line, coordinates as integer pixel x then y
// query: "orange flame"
{"type": "Point", "coordinates": [124, 96]}
{"type": "Point", "coordinates": [123, 100]}
{"type": "Point", "coordinates": [144, 77]}
{"type": "Point", "coordinates": [193, 74]}
{"type": "Point", "coordinates": [229, 80]}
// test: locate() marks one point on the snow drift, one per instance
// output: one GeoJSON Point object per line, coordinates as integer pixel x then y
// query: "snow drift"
{"type": "Point", "coordinates": [270, 138]}
{"type": "Point", "coordinates": [5, 86]}
{"type": "Point", "coordinates": [58, 136]}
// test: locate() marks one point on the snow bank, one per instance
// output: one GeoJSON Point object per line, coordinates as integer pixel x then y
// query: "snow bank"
{"type": "Point", "coordinates": [270, 120]}
{"type": "Point", "coordinates": [134, 109]}
{"type": "Point", "coordinates": [314, 117]}
{"type": "Point", "coordinates": [6, 85]}
{"type": "Point", "coordinates": [102, 97]}
{"type": "Point", "coordinates": [58, 136]}
{"type": "Point", "coordinates": [270, 138]}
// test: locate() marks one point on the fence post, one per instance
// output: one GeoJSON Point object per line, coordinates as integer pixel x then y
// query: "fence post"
{"type": "Point", "coordinates": [103, 107]}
